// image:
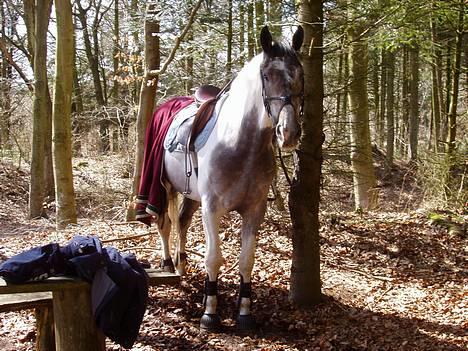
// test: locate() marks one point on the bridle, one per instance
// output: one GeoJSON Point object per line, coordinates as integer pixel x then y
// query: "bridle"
{"type": "Point", "coordinates": [286, 99]}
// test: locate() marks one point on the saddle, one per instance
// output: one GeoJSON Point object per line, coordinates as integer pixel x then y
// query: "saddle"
{"type": "Point", "coordinates": [206, 95]}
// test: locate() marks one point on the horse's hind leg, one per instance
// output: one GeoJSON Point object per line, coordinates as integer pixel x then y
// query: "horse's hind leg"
{"type": "Point", "coordinates": [164, 226]}
{"type": "Point", "coordinates": [187, 210]}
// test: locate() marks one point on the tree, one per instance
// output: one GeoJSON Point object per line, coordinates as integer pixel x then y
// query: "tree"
{"type": "Point", "coordinates": [40, 108]}
{"type": "Point", "coordinates": [305, 190]}
{"type": "Point", "coordinates": [62, 144]}
{"type": "Point", "coordinates": [414, 102]}
{"type": "Point", "coordinates": [361, 151]}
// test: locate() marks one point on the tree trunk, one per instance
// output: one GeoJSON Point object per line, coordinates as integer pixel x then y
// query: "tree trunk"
{"type": "Point", "coordinates": [115, 52]}
{"type": "Point", "coordinates": [275, 18]}
{"type": "Point", "coordinates": [414, 103]}
{"type": "Point", "coordinates": [241, 33]}
{"type": "Point", "coordinates": [147, 94]}
{"type": "Point", "coordinates": [405, 103]}
{"type": "Point", "coordinates": [5, 88]}
{"type": "Point", "coordinates": [259, 23]}
{"type": "Point", "coordinates": [65, 194]}
{"type": "Point", "coordinates": [435, 95]}
{"type": "Point", "coordinates": [250, 31]}
{"type": "Point", "coordinates": [229, 40]}
{"type": "Point", "coordinates": [452, 112]}
{"type": "Point", "coordinates": [40, 109]}
{"type": "Point", "coordinates": [365, 196]}
{"type": "Point", "coordinates": [305, 285]}
{"type": "Point", "coordinates": [383, 98]}
{"type": "Point", "coordinates": [390, 115]}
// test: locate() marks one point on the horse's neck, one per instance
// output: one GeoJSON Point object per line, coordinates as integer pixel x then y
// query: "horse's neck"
{"type": "Point", "coordinates": [244, 113]}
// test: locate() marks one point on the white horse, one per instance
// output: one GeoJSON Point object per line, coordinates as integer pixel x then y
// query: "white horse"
{"type": "Point", "coordinates": [236, 165]}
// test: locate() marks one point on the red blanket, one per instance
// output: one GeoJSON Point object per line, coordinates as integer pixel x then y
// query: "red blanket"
{"type": "Point", "coordinates": [151, 199]}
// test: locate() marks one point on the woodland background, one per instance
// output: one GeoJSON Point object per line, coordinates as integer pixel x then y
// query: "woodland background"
{"type": "Point", "coordinates": [393, 186]}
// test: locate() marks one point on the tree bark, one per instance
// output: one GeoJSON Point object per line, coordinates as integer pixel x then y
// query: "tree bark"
{"type": "Point", "coordinates": [365, 196]}
{"type": "Point", "coordinates": [62, 145]}
{"type": "Point", "coordinates": [40, 109]}
{"type": "Point", "coordinates": [305, 285]}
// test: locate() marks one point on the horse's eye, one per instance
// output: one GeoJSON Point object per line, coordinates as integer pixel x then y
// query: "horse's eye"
{"type": "Point", "coordinates": [265, 77]}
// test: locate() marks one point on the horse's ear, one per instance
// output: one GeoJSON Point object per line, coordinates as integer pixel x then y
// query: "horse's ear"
{"type": "Point", "coordinates": [266, 39]}
{"type": "Point", "coordinates": [298, 38]}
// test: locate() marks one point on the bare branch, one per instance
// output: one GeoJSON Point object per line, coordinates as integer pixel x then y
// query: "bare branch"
{"type": "Point", "coordinates": [18, 69]}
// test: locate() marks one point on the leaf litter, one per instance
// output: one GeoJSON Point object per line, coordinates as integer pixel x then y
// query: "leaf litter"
{"type": "Point", "coordinates": [390, 279]}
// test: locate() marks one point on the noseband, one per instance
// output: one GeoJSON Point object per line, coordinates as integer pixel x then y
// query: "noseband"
{"type": "Point", "coordinates": [286, 99]}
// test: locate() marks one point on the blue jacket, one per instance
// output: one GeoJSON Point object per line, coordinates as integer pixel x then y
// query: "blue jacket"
{"type": "Point", "coordinates": [119, 289]}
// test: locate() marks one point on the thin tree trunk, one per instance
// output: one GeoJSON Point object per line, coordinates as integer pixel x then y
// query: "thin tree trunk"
{"type": "Point", "coordinates": [229, 40]}
{"type": "Point", "coordinates": [376, 87]}
{"type": "Point", "coordinates": [405, 103]}
{"type": "Point", "coordinates": [5, 89]}
{"type": "Point", "coordinates": [390, 108]}
{"type": "Point", "coordinates": [365, 196]}
{"type": "Point", "coordinates": [452, 113]}
{"type": "Point", "coordinates": [241, 33]}
{"type": "Point", "coordinates": [250, 31]}
{"type": "Point", "coordinates": [435, 94]}
{"type": "Point", "coordinates": [116, 52]}
{"type": "Point", "coordinates": [383, 98]}
{"type": "Point", "coordinates": [259, 22]}
{"type": "Point", "coordinates": [40, 109]}
{"type": "Point", "coordinates": [275, 17]}
{"type": "Point", "coordinates": [414, 103]}
{"type": "Point", "coordinates": [147, 94]}
{"type": "Point", "coordinates": [65, 195]}
{"type": "Point", "coordinates": [305, 285]}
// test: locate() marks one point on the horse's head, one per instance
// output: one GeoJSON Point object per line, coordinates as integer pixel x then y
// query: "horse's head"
{"type": "Point", "coordinates": [283, 86]}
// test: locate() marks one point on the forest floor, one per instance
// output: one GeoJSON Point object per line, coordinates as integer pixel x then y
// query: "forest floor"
{"type": "Point", "coordinates": [391, 280]}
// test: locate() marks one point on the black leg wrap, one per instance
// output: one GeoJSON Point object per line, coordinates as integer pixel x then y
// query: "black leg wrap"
{"type": "Point", "coordinates": [211, 288]}
{"type": "Point", "coordinates": [167, 265]}
{"type": "Point", "coordinates": [245, 290]}
{"type": "Point", "coordinates": [210, 322]}
{"type": "Point", "coordinates": [245, 322]}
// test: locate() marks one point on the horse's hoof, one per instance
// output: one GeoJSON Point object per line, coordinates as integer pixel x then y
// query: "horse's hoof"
{"type": "Point", "coordinates": [210, 322]}
{"type": "Point", "coordinates": [167, 265]}
{"type": "Point", "coordinates": [245, 323]}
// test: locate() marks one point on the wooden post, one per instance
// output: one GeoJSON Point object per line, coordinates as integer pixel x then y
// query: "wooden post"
{"type": "Point", "coordinates": [75, 328]}
{"type": "Point", "coordinates": [45, 328]}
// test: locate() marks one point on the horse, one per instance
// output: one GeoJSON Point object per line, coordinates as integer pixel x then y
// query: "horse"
{"type": "Point", "coordinates": [236, 166]}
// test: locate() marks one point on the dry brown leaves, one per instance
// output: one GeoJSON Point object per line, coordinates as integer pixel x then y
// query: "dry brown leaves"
{"type": "Point", "coordinates": [391, 281]}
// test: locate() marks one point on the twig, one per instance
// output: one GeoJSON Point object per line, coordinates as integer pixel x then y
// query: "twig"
{"type": "Point", "coordinates": [368, 275]}
{"type": "Point", "coordinates": [127, 237]}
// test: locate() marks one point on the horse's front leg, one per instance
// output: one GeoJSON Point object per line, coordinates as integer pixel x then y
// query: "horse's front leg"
{"type": "Point", "coordinates": [250, 225]}
{"type": "Point", "coordinates": [213, 261]}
